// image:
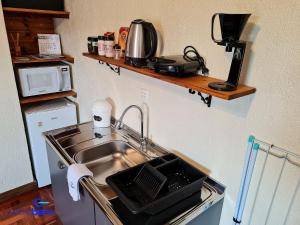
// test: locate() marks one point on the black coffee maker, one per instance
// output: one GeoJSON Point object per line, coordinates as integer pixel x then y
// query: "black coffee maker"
{"type": "Point", "coordinates": [232, 26]}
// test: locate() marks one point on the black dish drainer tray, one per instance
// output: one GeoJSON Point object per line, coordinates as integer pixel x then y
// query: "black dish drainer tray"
{"type": "Point", "coordinates": [183, 180]}
{"type": "Point", "coordinates": [128, 218]}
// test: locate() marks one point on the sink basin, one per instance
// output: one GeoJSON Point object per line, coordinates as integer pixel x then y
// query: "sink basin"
{"type": "Point", "coordinates": [109, 158]}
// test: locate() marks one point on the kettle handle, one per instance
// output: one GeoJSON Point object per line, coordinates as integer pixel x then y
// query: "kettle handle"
{"type": "Point", "coordinates": [153, 39]}
{"type": "Point", "coordinates": [212, 28]}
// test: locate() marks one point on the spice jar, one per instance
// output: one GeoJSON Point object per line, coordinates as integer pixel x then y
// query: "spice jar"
{"type": "Point", "coordinates": [117, 50]}
{"type": "Point", "coordinates": [89, 44]}
{"type": "Point", "coordinates": [101, 45]}
{"type": "Point", "coordinates": [109, 46]}
{"type": "Point", "coordinates": [95, 45]}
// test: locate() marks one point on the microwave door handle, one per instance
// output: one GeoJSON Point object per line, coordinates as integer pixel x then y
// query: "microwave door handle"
{"type": "Point", "coordinates": [27, 80]}
{"type": "Point", "coordinates": [60, 79]}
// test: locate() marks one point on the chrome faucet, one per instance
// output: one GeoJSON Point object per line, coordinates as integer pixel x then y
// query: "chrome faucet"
{"type": "Point", "coordinates": [119, 123]}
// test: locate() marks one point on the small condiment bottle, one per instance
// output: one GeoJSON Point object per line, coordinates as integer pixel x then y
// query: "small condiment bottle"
{"type": "Point", "coordinates": [109, 46]}
{"type": "Point", "coordinates": [90, 45]}
{"type": "Point", "coordinates": [117, 50]}
{"type": "Point", "coordinates": [101, 45]}
{"type": "Point", "coordinates": [95, 45]}
{"type": "Point", "coordinates": [122, 53]}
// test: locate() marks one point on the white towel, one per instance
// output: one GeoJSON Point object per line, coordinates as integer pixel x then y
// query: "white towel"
{"type": "Point", "coordinates": [75, 172]}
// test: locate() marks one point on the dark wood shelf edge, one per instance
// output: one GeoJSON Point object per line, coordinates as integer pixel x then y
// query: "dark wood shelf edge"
{"type": "Point", "coordinates": [53, 13]}
{"type": "Point", "coordinates": [42, 98]}
{"type": "Point", "coordinates": [66, 58]}
{"type": "Point", "coordinates": [196, 83]}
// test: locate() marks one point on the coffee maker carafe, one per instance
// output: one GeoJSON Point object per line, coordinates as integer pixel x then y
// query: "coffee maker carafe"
{"type": "Point", "coordinates": [141, 43]}
{"type": "Point", "coordinates": [232, 26]}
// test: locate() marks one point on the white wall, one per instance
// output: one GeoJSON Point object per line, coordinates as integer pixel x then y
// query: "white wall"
{"type": "Point", "coordinates": [215, 137]}
{"type": "Point", "coordinates": [15, 169]}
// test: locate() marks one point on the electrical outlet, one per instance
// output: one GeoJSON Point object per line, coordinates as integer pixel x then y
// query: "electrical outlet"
{"type": "Point", "coordinates": [145, 95]}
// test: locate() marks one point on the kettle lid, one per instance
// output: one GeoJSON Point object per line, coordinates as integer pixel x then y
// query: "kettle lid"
{"type": "Point", "coordinates": [138, 21]}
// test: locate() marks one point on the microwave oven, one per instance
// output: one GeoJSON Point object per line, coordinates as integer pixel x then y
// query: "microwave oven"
{"type": "Point", "coordinates": [44, 79]}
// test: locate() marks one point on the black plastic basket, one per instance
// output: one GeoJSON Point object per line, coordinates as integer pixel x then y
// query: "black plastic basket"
{"type": "Point", "coordinates": [183, 180]}
{"type": "Point", "coordinates": [128, 218]}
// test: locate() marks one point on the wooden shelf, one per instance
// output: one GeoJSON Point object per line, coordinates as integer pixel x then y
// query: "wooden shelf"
{"type": "Point", "coordinates": [52, 13]}
{"type": "Point", "coordinates": [42, 98]}
{"type": "Point", "coordinates": [196, 83]}
{"type": "Point", "coordinates": [66, 58]}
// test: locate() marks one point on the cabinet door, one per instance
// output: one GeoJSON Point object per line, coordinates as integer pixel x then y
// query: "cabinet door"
{"type": "Point", "coordinates": [37, 123]}
{"type": "Point", "coordinates": [69, 212]}
{"type": "Point", "coordinates": [100, 217]}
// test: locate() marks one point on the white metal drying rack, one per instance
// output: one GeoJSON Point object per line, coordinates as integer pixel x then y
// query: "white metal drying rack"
{"type": "Point", "coordinates": [254, 145]}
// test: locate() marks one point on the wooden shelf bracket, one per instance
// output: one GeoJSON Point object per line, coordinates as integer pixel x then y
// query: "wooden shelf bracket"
{"type": "Point", "coordinates": [206, 100]}
{"type": "Point", "coordinates": [116, 69]}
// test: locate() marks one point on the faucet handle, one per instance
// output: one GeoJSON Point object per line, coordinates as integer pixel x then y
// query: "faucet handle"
{"type": "Point", "coordinates": [119, 124]}
{"type": "Point", "coordinates": [143, 141]}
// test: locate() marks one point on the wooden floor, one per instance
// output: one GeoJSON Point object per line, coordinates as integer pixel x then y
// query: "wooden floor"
{"type": "Point", "coordinates": [18, 211]}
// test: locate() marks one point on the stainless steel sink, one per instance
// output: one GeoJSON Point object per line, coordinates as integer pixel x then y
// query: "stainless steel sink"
{"type": "Point", "coordinates": [109, 158]}
{"type": "Point", "coordinates": [110, 154]}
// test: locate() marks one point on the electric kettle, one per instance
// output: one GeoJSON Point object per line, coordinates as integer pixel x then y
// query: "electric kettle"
{"type": "Point", "coordinates": [101, 113]}
{"type": "Point", "coordinates": [141, 43]}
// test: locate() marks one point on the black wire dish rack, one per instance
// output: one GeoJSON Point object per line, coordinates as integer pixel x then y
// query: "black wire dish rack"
{"type": "Point", "coordinates": [157, 185]}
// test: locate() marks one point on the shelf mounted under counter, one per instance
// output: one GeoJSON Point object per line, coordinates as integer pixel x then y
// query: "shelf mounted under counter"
{"type": "Point", "coordinates": [193, 83]}
{"type": "Point", "coordinates": [46, 97]}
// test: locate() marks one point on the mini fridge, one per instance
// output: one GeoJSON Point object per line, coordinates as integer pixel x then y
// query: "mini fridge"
{"type": "Point", "coordinates": [44, 117]}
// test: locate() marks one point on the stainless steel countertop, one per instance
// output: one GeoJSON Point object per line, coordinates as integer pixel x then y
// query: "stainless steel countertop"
{"type": "Point", "coordinates": [67, 142]}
